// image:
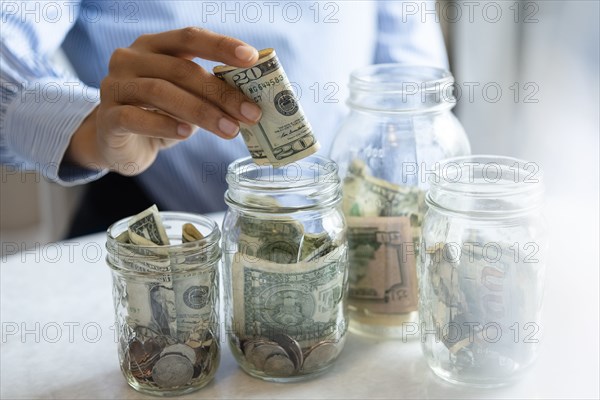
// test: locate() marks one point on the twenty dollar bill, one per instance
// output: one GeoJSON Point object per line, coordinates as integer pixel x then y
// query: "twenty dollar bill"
{"type": "Point", "coordinates": [283, 135]}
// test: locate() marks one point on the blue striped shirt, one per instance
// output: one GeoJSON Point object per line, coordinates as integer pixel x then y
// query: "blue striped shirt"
{"type": "Point", "coordinates": [318, 42]}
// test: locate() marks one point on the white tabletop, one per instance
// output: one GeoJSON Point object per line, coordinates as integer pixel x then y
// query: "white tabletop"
{"type": "Point", "coordinates": [58, 337]}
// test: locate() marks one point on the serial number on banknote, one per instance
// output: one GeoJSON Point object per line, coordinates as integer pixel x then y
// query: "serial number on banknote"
{"type": "Point", "coordinates": [265, 84]}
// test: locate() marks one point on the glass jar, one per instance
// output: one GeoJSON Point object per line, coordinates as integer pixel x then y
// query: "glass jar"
{"type": "Point", "coordinates": [285, 268]}
{"type": "Point", "coordinates": [482, 269]}
{"type": "Point", "coordinates": [400, 124]}
{"type": "Point", "coordinates": [166, 302]}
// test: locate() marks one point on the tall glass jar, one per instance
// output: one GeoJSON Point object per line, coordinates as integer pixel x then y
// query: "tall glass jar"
{"type": "Point", "coordinates": [400, 124]}
{"type": "Point", "coordinates": [285, 268]}
{"type": "Point", "coordinates": [482, 269]}
{"type": "Point", "coordinates": [166, 302]}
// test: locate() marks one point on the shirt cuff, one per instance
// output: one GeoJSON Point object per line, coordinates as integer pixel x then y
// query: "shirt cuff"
{"type": "Point", "coordinates": [39, 121]}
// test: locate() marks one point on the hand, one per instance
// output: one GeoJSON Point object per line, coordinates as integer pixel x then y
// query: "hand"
{"type": "Point", "coordinates": [154, 96]}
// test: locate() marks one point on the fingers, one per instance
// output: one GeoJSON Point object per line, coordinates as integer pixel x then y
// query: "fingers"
{"type": "Point", "coordinates": [189, 76]}
{"type": "Point", "coordinates": [132, 119]}
{"type": "Point", "coordinates": [166, 96]}
{"type": "Point", "coordinates": [157, 72]}
{"type": "Point", "coordinates": [196, 42]}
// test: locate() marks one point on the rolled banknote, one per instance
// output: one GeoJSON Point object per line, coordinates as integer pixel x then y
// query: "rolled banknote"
{"type": "Point", "coordinates": [151, 300]}
{"type": "Point", "coordinates": [277, 240]}
{"type": "Point", "coordinates": [384, 227]}
{"type": "Point", "coordinates": [283, 135]}
{"type": "Point", "coordinates": [465, 292]}
{"type": "Point", "coordinates": [189, 233]}
{"type": "Point", "coordinates": [303, 300]}
{"type": "Point", "coordinates": [146, 228]}
{"type": "Point", "coordinates": [177, 298]}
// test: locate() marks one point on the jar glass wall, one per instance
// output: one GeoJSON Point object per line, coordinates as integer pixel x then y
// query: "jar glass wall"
{"type": "Point", "coordinates": [166, 302]}
{"type": "Point", "coordinates": [481, 270]}
{"type": "Point", "coordinates": [400, 125]}
{"type": "Point", "coordinates": [285, 268]}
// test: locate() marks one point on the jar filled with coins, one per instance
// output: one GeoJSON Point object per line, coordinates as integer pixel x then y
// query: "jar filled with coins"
{"type": "Point", "coordinates": [400, 125]}
{"type": "Point", "coordinates": [285, 268]}
{"type": "Point", "coordinates": [482, 270]}
{"type": "Point", "coordinates": [166, 297]}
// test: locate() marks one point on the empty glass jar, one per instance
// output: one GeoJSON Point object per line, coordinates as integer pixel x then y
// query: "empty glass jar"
{"type": "Point", "coordinates": [166, 302]}
{"type": "Point", "coordinates": [285, 268]}
{"type": "Point", "coordinates": [400, 125]}
{"type": "Point", "coordinates": [482, 270]}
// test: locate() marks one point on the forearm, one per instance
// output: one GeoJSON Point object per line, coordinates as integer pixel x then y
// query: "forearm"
{"type": "Point", "coordinates": [38, 131]}
{"type": "Point", "coordinates": [41, 106]}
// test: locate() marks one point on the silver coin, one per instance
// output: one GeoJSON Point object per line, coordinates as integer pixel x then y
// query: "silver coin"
{"type": "Point", "coordinates": [260, 352]}
{"type": "Point", "coordinates": [320, 355]}
{"type": "Point", "coordinates": [172, 370]}
{"type": "Point", "coordinates": [249, 344]}
{"type": "Point", "coordinates": [180, 349]}
{"type": "Point", "coordinates": [279, 365]}
{"type": "Point", "coordinates": [292, 347]}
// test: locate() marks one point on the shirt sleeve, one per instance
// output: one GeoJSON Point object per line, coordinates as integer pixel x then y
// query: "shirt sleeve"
{"type": "Point", "coordinates": [409, 33]}
{"type": "Point", "coordinates": [41, 106]}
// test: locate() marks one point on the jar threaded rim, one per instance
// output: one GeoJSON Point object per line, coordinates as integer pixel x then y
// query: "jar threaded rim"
{"type": "Point", "coordinates": [486, 186]}
{"type": "Point", "coordinates": [308, 183]}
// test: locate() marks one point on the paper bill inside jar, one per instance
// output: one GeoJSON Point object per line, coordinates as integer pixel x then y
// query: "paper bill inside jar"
{"type": "Point", "coordinates": [302, 300]}
{"type": "Point", "coordinates": [283, 134]}
{"type": "Point", "coordinates": [177, 297]}
{"type": "Point", "coordinates": [384, 229]}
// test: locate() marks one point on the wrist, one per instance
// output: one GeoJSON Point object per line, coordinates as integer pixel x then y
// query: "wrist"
{"type": "Point", "coordinates": [83, 148]}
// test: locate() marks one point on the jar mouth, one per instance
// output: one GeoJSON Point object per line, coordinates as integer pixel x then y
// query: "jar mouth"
{"type": "Point", "coordinates": [398, 88]}
{"type": "Point", "coordinates": [310, 182]}
{"type": "Point", "coordinates": [310, 171]}
{"type": "Point", "coordinates": [399, 78]}
{"type": "Point", "coordinates": [208, 245]}
{"type": "Point", "coordinates": [486, 186]}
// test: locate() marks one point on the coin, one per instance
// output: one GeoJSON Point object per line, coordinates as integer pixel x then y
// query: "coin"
{"type": "Point", "coordinates": [260, 352]}
{"type": "Point", "coordinates": [136, 349]}
{"type": "Point", "coordinates": [248, 345]}
{"type": "Point", "coordinates": [180, 349]}
{"type": "Point", "coordinates": [292, 347]}
{"type": "Point", "coordinates": [279, 365]}
{"type": "Point", "coordinates": [172, 370]}
{"type": "Point", "coordinates": [319, 355]}
{"type": "Point", "coordinates": [142, 357]}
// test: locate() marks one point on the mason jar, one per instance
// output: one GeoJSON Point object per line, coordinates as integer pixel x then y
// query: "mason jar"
{"type": "Point", "coordinates": [482, 269]}
{"type": "Point", "coordinates": [166, 301]}
{"type": "Point", "coordinates": [399, 126]}
{"type": "Point", "coordinates": [285, 268]}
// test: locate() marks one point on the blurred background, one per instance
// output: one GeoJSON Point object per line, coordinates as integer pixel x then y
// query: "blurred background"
{"type": "Point", "coordinates": [528, 85]}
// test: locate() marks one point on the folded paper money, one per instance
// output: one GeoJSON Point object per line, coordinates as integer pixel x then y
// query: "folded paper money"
{"type": "Point", "coordinates": [283, 134]}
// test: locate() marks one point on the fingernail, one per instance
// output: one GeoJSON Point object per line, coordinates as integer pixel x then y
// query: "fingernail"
{"type": "Point", "coordinates": [245, 53]}
{"type": "Point", "coordinates": [251, 111]}
{"type": "Point", "coordinates": [227, 127]}
{"type": "Point", "coordinates": [184, 130]}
